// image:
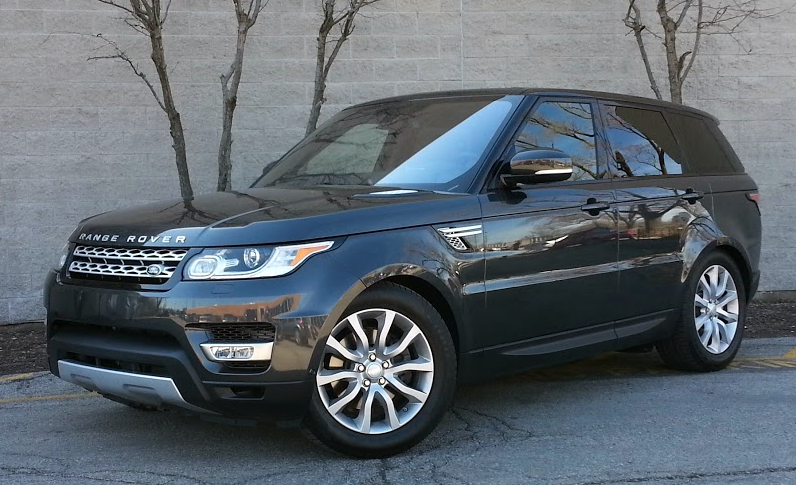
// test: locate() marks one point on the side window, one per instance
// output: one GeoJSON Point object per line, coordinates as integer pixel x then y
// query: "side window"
{"type": "Point", "coordinates": [641, 143]}
{"type": "Point", "coordinates": [568, 127]}
{"type": "Point", "coordinates": [703, 150]}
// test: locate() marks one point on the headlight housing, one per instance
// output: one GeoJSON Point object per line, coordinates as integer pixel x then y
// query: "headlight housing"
{"type": "Point", "coordinates": [250, 262]}
{"type": "Point", "coordinates": [64, 255]}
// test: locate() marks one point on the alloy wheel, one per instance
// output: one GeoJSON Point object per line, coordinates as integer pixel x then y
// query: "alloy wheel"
{"type": "Point", "coordinates": [716, 309]}
{"type": "Point", "coordinates": [376, 372]}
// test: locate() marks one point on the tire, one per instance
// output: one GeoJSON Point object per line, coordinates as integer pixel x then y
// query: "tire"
{"type": "Point", "coordinates": [411, 370]}
{"type": "Point", "coordinates": [702, 309]}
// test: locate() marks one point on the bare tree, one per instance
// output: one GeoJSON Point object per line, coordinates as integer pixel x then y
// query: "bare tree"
{"type": "Point", "coordinates": [695, 19]}
{"type": "Point", "coordinates": [230, 81]}
{"type": "Point", "coordinates": [343, 18]}
{"type": "Point", "coordinates": [148, 17]}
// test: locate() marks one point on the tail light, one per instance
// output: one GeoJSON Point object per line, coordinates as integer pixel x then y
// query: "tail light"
{"type": "Point", "coordinates": [754, 197]}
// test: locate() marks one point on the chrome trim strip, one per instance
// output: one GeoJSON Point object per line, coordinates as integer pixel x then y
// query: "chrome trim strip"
{"type": "Point", "coordinates": [262, 350]}
{"type": "Point", "coordinates": [146, 389]}
{"type": "Point", "coordinates": [119, 270]}
{"type": "Point", "coordinates": [461, 231]}
{"type": "Point", "coordinates": [174, 255]}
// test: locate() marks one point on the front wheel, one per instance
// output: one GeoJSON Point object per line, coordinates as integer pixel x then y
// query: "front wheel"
{"type": "Point", "coordinates": [386, 376]}
{"type": "Point", "coordinates": [714, 309]}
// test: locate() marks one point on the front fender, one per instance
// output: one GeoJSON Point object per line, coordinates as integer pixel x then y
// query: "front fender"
{"type": "Point", "coordinates": [418, 253]}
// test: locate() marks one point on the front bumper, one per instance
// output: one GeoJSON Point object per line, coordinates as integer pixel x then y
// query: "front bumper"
{"type": "Point", "coordinates": [141, 346]}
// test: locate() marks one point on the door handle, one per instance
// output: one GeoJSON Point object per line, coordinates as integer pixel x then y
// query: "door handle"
{"type": "Point", "coordinates": [692, 196]}
{"type": "Point", "coordinates": [594, 207]}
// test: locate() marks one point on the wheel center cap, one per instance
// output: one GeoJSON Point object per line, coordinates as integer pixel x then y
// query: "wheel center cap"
{"type": "Point", "coordinates": [373, 371]}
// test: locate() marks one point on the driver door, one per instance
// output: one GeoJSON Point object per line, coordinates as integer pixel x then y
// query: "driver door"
{"type": "Point", "coordinates": [551, 248]}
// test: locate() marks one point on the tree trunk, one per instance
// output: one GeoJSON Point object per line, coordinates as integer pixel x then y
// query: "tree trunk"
{"type": "Point", "coordinates": [672, 60]}
{"type": "Point", "coordinates": [175, 123]}
{"type": "Point", "coordinates": [320, 84]}
{"type": "Point", "coordinates": [225, 148]}
{"type": "Point", "coordinates": [229, 88]}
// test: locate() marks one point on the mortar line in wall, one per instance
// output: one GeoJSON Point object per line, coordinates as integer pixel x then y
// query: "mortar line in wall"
{"type": "Point", "coordinates": [461, 42]}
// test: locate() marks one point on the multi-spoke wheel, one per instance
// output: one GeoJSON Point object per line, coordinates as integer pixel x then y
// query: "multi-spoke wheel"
{"type": "Point", "coordinates": [376, 371]}
{"type": "Point", "coordinates": [386, 374]}
{"type": "Point", "coordinates": [709, 335]}
{"type": "Point", "coordinates": [716, 309]}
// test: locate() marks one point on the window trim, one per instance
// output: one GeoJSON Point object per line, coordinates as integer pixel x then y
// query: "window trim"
{"type": "Point", "coordinates": [493, 180]}
{"type": "Point", "coordinates": [603, 104]}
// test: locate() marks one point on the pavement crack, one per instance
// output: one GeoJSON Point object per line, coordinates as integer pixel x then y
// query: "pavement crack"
{"type": "Point", "coordinates": [507, 430]}
{"type": "Point", "coordinates": [694, 476]}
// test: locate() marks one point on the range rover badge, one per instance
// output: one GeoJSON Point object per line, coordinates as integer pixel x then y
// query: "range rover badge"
{"type": "Point", "coordinates": [154, 269]}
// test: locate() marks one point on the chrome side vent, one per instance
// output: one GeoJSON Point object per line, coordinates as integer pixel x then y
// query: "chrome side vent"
{"type": "Point", "coordinates": [454, 235]}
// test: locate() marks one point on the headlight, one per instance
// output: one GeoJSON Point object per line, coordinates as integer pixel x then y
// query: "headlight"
{"type": "Point", "coordinates": [62, 259]}
{"type": "Point", "coordinates": [251, 262]}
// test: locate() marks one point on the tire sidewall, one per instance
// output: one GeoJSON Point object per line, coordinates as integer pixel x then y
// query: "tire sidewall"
{"type": "Point", "coordinates": [699, 351]}
{"type": "Point", "coordinates": [417, 309]}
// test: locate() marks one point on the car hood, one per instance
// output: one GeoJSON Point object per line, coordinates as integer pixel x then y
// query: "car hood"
{"type": "Point", "coordinates": [273, 215]}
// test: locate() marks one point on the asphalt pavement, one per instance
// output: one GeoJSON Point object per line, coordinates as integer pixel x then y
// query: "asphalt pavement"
{"type": "Point", "coordinates": [616, 419]}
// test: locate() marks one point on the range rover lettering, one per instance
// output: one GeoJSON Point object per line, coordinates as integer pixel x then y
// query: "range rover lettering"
{"type": "Point", "coordinates": [410, 244]}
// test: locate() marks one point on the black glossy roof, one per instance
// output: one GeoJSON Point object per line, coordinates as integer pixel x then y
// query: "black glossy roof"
{"type": "Point", "coordinates": [539, 91]}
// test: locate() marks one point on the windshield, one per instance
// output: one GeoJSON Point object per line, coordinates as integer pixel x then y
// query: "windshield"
{"type": "Point", "coordinates": [426, 144]}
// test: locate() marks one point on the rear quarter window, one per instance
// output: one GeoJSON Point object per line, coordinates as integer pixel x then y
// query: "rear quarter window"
{"type": "Point", "coordinates": [704, 145]}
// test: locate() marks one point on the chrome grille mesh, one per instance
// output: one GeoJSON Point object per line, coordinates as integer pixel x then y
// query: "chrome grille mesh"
{"type": "Point", "coordinates": [137, 254]}
{"type": "Point", "coordinates": [131, 265]}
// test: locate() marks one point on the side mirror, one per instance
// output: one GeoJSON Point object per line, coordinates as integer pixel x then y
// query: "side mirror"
{"type": "Point", "coordinates": [537, 166]}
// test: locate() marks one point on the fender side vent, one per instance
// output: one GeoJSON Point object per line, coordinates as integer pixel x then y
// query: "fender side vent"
{"type": "Point", "coordinates": [454, 235]}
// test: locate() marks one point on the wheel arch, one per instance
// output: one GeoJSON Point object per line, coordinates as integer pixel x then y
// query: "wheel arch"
{"type": "Point", "coordinates": [741, 261]}
{"type": "Point", "coordinates": [698, 246]}
{"type": "Point", "coordinates": [433, 295]}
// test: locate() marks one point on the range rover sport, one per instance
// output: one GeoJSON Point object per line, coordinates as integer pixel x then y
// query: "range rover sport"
{"type": "Point", "coordinates": [409, 244]}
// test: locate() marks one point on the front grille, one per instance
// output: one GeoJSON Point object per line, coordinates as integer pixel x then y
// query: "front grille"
{"type": "Point", "coordinates": [128, 265]}
{"type": "Point", "coordinates": [249, 332]}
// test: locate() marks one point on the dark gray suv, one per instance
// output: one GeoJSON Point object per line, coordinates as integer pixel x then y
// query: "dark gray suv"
{"type": "Point", "coordinates": [411, 243]}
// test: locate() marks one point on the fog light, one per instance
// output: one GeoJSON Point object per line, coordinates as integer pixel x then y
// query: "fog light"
{"type": "Point", "coordinates": [232, 352]}
{"type": "Point", "coordinates": [224, 352]}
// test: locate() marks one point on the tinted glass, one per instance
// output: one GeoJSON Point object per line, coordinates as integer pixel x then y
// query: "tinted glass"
{"type": "Point", "coordinates": [701, 147]}
{"type": "Point", "coordinates": [431, 144]}
{"type": "Point", "coordinates": [641, 143]}
{"type": "Point", "coordinates": [568, 127]}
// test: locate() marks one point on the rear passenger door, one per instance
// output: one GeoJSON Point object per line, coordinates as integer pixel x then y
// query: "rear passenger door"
{"type": "Point", "coordinates": [657, 199]}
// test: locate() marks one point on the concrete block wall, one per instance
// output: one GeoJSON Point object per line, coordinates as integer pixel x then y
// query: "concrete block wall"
{"type": "Point", "coordinates": [79, 137]}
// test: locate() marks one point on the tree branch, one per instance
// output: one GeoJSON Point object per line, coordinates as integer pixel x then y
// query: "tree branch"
{"type": "Point", "coordinates": [633, 21]}
{"type": "Point", "coordinates": [112, 3]}
{"type": "Point", "coordinates": [697, 38]}
{"type": "Point", "coordinates": [121, 55]}
{"type": "Point", "coordinates": [683, 13]}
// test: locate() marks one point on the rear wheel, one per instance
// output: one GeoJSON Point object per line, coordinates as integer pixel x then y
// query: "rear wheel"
{"type": "Point", "coordinates": [714, 309]}
{"type": "Point", "coordinates": [387, 374]}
